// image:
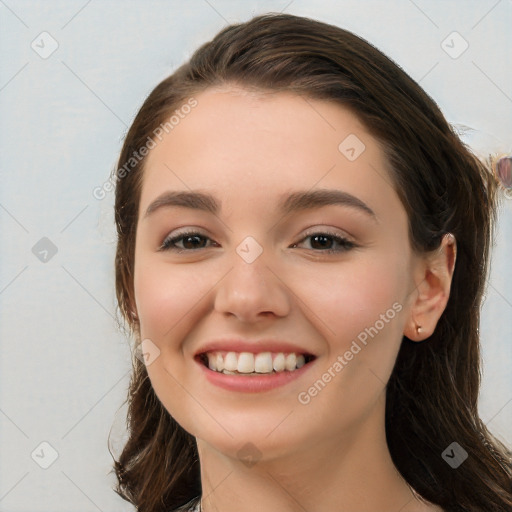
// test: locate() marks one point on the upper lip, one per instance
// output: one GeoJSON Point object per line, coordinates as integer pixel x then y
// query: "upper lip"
{"type": "Point", "coordinates": [256, 346]}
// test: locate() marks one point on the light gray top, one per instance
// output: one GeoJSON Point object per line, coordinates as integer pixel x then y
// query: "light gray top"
{"type": "Point", "coordinates": [194, 505]}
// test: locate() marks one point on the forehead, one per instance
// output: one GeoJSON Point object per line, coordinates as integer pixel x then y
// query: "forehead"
{"type": "Point", "coordinates": [248, 148]}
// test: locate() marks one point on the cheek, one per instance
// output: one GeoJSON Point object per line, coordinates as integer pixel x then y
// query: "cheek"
{"type": "Point", "coordinates": [359, 312]}
{"type": "Point", "coordinates": [346, 299]}
{"type": "Point", "coordinates": [164, 294]}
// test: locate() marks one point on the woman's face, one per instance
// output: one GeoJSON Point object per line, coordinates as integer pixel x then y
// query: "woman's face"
{"type": "Point", "coordinates": [264, 274]}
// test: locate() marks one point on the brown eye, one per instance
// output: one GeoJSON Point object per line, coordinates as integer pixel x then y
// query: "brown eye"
{"type": "Point", "coordinates": [191, 241]}
{"type": "Point", "coordinates": [324, 242]}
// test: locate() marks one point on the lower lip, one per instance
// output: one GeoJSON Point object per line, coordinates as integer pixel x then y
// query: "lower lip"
{"type": "Point", "coordinates": [252, 383]}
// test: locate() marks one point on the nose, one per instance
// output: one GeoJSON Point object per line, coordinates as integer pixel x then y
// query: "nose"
{"type": "Point", "coordinates": [252, 291]}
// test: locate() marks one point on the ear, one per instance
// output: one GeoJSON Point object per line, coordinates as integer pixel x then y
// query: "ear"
{"type": "Point", "coordinates": [433, 277]}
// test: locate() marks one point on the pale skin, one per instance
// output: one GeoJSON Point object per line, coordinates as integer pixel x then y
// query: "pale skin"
{"type": "Point", "coordinates": [249, 150]}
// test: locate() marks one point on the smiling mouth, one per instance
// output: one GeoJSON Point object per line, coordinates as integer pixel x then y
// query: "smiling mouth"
{"type": "Point", "coordinates": [247, 363]}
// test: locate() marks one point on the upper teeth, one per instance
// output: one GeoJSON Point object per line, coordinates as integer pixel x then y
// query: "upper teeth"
{"type": "Point", "coordinates": [247, 362]}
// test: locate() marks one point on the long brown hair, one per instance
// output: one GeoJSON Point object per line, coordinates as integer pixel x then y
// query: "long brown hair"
{"type": "Point", "coordinates": [445, 188]}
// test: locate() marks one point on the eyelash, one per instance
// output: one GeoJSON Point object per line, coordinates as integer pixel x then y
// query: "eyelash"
{"type": "Point", "coordinates": [169, 243]}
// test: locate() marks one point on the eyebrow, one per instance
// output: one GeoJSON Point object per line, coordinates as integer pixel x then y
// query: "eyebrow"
{"type": "Point", "coordinates": [289, 203]}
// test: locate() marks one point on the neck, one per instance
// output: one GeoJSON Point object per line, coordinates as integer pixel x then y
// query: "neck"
{"type": "Point", "coordinates": [353, 471]}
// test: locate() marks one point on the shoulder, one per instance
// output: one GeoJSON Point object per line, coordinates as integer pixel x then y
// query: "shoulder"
{"type": "Point", "coordinates": [422, 506]}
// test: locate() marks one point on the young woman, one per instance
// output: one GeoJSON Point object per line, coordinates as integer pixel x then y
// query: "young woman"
{"type": "Point", "coordinates": [303, 248]}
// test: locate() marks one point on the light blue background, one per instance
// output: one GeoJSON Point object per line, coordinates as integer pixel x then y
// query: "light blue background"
{"type": "Point", "coordinates": [65, 365]}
